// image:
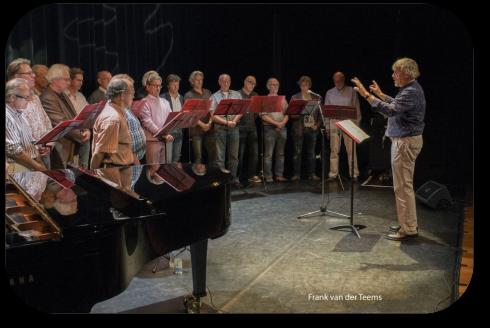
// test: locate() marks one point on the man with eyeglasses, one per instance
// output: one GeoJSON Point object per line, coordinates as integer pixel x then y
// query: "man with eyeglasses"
{"type": "Point", "coordinates": [59, 108]}
{"type": "Point", "coordinates": [103, 78]}
{"type": "Point", "coordinates": [153, 117]}
{"type": "Point", "coordinates": [248, 134]}
{"type": "Point", "coordinates": [22, 154]}
{"type": "Point", "coordinates": [34, 113]}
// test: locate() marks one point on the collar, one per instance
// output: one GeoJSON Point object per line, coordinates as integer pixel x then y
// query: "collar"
{"type": "Point", "coordinates": [102, 89]}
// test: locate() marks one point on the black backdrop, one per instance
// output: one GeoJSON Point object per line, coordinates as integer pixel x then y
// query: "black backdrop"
{"type": "Point", "coordinates": [285, 41]}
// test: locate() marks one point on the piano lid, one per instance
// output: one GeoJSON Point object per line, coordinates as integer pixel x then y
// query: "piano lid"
{"type": "Point", "coordinates": [78, 197]}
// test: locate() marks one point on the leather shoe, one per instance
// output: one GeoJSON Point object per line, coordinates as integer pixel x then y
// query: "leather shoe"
{"type": "Point", "coordinates": [280, 178]}
{"type": "Point", "coordinates": [396, 228]}
{"type": "Point", "coordinates": [399, 237]}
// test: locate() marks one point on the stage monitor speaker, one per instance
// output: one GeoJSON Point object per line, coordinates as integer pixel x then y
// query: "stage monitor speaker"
{"type": "Point", "coordinates": [434, 195]}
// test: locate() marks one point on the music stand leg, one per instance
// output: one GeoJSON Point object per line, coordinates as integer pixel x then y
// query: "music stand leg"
{"type": "Point", "coordinates": [352, 226]}
{"type": "Point", "coordinates": [263, 159]}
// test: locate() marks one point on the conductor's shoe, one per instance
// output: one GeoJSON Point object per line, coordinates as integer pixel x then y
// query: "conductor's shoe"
{"type": "Point", "coordinates": [394, 228]}
{"type": "Point", "coordinates": [399, 237]}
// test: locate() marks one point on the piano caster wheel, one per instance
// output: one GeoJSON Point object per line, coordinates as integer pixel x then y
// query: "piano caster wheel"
{"type": "Point", "coordinates": [192, 304]}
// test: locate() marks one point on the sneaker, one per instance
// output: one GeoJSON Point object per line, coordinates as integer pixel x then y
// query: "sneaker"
{"type": "Point", "coordinates": [295, 178]}
{"type": "Point", "coordinates": [280, 178]}
{"type": "Point", "coordinates": [255, 179]}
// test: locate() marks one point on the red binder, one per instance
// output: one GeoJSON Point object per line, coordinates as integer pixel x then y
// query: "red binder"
{"type": "Point", "coordinates": [178, 120]}
{"type": "Point", "coordinates": [339, 112]}
{"type": "Point", "coordinates": [196, 104]}
{"type": "Point", "coordinates": [59, 131]}
{"type": "Point", "coordinates": [266, 104]}
{"type": "Point", "coordinates": [89, 114]}
{"type": "Point", "coordinates": [301, 107]}
{"type": "Point", "coordinates": [232, 107]}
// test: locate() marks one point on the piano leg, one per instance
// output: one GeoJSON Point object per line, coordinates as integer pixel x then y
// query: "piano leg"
{"type": "Point", "coordinates": [199, 252]}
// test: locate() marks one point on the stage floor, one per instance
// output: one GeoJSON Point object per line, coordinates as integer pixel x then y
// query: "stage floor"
{"type": "Point", "coordinates": [271, 262]}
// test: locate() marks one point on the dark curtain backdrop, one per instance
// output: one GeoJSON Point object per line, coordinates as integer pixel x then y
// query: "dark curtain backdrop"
{"type": "Point", "coordinates": [285, 41]}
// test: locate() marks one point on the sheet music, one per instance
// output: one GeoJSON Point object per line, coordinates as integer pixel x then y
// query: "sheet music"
{"type": "Point", "coordinates": [352, 130]}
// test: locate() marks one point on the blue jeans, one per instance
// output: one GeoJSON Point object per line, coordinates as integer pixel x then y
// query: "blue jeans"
{"type": "Point", "coordinates": [209, 142]}
{"type": "Point", "coordinates": [275, 141]}
{"type": "Point", "coordinates": [176, 145]}
{"type": "Point", "coordinates": [248, 141]}
{"type": "Point", "coordinates": [309, 139]}
{"type": "Point", "coordinates": [227, 143]}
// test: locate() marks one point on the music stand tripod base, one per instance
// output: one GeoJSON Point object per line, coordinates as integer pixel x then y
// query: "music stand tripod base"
{"type": "Point", "coordinates": [353, 227]}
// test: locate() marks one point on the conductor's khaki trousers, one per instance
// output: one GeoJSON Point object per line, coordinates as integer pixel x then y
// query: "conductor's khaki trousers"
{"type": "Point", "coordinates": [404, 152]}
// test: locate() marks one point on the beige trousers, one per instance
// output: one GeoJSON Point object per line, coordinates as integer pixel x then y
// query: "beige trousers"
{"type": "Point", "coordinates": [404, 152]}
{"type": "Point", "coordinates": [336, 137]}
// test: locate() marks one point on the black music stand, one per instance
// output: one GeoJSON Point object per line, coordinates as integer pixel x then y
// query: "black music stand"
{"type": "Point", "coordinates": [357, 136]}
{"type": "Point", "coordinates": [265, 104]}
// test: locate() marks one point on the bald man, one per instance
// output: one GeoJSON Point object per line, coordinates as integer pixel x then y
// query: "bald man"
{"type": "Point", "coordinates": [227, 132]}
{"type": "Point", "coordinates": [103, 78]}
{"type": "Point", "coordinates": [40, 81]}
{"type": "Point", "coordinates": [342, 95]}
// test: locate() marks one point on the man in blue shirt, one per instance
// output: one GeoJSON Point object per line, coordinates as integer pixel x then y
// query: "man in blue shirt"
{"type": "Point", "coordinates": [405, 115]}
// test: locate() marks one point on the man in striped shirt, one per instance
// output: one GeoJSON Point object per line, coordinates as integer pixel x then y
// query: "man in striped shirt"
{"type": "Point", "coordinates": [18, 136]}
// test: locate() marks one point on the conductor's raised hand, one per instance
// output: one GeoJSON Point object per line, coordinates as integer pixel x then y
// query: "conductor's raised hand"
{"type": "Point", "coordinates": [375, 89]}
{"type": "Point", "coordinates": [359, 87]}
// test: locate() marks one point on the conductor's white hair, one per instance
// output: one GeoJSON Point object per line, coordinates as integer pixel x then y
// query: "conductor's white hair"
{"type": "Point", "coordinates": [56, 72]}
{"type": "Point", "coordinates": [407, 66]}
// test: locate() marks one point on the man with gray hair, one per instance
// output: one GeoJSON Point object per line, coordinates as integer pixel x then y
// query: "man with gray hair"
{"type": "Point", "coordinates": [20, 150]}
{"type": "Point", "coordinates": [34, 113]}
{"type": "Point", "coordinates": [202, 133]}
{"type": "Point", "coordinates": [176, 101]}
{"type": "Point", "coordinates": [405, 114]}
{"type": "Point", "coordinates": [59, 108]}
{"type": "Point", "coordinates": [103, 78]}
{"type": "Point", "coordinates": [112, 140]}
{"type": "Point", "coordinates": [227, 132]}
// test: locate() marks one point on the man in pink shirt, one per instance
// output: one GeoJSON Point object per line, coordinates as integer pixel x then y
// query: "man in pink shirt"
{"type": "Point", "coordinates": [152, 117]}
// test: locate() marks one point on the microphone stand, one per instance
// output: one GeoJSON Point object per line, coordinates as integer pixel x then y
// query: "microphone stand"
{"type": "Point", "coordinates": [323, 208]}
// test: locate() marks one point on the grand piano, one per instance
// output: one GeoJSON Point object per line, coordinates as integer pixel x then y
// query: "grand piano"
{"type": "Point", "coordinates": [76, 237]}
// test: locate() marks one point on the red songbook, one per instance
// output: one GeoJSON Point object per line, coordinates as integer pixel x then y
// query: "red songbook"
{"type": "Point", "coordinates": [60, 177]}
{"type": "Point", "coordinates": [339, 112]}
{"type": "Point", "coordinates": [59, 131]}
{"type": "Point", "coordinates": [137, 107]}
{"type": "Point", "coordinates": [301, 107]}
{"type": "Point", "coordinates": [266, 104]}
{"type": "Point", "coordinates": [175, 177]}
{"type": "Point", "coordinates": [232, 107]}
{"type": "Point", "coordinates": [179, 120]}
{"type": "Point", "coordinates": [89, 114]}
{"type": "Point", "coordinates": [196, 104]}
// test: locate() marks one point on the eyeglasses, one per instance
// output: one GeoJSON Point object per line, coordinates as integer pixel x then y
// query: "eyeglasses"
{"type": "Point", "coordinates": [252, 82]}
{"type": "Point", "coordinates": [159, 86]}
{"type": "Point", "coordinates": [27, 73]}
{"type": "Point", "coordinates": [22, 97]}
